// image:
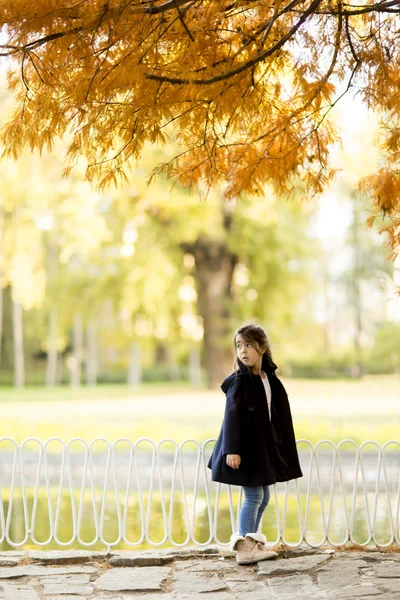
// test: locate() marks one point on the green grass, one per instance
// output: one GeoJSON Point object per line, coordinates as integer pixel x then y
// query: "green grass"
{"type": "Point", "coordinates": [330, 409]}
{"type": "Point", "coordinates": [49, 394]}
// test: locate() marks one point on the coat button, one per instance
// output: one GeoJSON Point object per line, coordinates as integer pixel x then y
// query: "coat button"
{"type": "Point", "coordinates": [251, 408]}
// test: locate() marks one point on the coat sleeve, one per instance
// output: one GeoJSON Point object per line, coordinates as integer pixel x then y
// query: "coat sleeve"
{"type": "Point", "coordinates": [233, 418]}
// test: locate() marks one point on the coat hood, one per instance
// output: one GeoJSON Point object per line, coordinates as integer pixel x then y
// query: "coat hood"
{"type": "Point", "coordinates": [228, 380]}
{"type": "Point", "coordinates": [266, 365]}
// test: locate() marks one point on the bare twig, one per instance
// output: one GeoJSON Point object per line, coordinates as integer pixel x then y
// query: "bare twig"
{"type": "Point", "coordinates": [183, 21]}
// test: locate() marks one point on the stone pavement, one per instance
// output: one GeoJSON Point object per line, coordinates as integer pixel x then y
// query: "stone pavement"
{"type": "Point", "coordinates": [200, 574]}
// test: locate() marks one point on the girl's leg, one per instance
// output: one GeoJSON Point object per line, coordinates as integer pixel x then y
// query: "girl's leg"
{"type": "Point", "coordinates": [254, 496]}
{"type": "Point", "coordinates": [262, 507]}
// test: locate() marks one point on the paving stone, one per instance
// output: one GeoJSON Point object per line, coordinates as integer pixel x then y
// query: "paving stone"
{"type": "Point", "coordinates": [211, 549]}
{"type": "Point", "coordinates": [146, 597]}
{"type": "Point", "coordinates": [18, 592]}
{"type": "Point", "coordinates": [64, 597]}
{"type": "Point", "coordinates": [205, 596]}
{"type": "Point", "coordinates": [248, 588]}
{"type": "Point", "coordinates": [139, 559]}
{"type": "Point", "coordinates": [198, 582]}
{"type": "Point", "coordinates": [353, 562]}
{"type": "Point", "coordinates": [284, 566]}
{"type": "Point", "coordinates": [143, 596]}
{"type": "Point", "coordinates": [395, 556]}
{"type": "Point", "coordinates": [206, 565]}
{"type": "Point", "coordinates": [148, 558]}
{"type": "Point", "coordinates": [243, 573]}
{"type": "Point", "coordinates": [294, 587]}
{"type": "Point", "coordinates": [41, 570]}
{"type": "Point", "coordinates": [388, 585]}
{"type": "Point", "coordinates": [368, 556]}
{"type": "Point", "coordinates": [65, 579]}
{"type": "Point", "coordinates": [341, 575]}
{"type": "Point", "coordinates": [9, 562]}
{"type": "Point", "coordinates": [303, 550]}
{"type": "Point", "coordinates": [65, 556]}
{"type": "Point", "coordinates": [60, 588]}
{"type": "Point", "coordinates": [341, 572]}
{"type": "Point", "coordinates": [387, 569]}
{"type": "Point", "coordinates": [244, 584]}
{"type": "Point", "coordinates": [140, 579]}
{"type": "Point", "coordinates": [368, 573]}
{"type": "Point", "coordinates": [338, 577]}
{"type": "Point", "coordinates": [381, 597]}
{"type": "Point", "coordinates": [380, 556]}
{"type": "Point", "coordinates": [357, 591]}
{"type": "Point", "coordinates": [265, 594]}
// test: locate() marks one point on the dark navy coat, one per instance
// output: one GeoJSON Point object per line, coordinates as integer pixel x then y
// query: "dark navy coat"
{"type": "Point", "coordinates": [267, 448]}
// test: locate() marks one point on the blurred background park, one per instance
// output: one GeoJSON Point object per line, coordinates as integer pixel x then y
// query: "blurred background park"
{"type": "Point", "coordinates": [117, 308]}
{"type": "Point", "coordinates": [125, 301]}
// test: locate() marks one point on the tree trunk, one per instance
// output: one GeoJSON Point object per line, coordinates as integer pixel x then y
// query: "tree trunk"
{"type": "Point", "coordinates": [19, 365]}
{"type": "Point", "coordinates": [60, 370]}
{"type": "Point", "coordinates": [135, 368]}
{"type": "Point", "coordinates": [173, 368]}
{"type": "Point", "coordinates": [52, 352]}
{"type": "Point", "coordinates": [194, 366]}
{"type": "Point", "coordinates": [327, 303]}
{"type": "Point", "coordinates": [76, 363]}
{"type": "Point", "coordinates": [215, 264]}
{"type": "Point", "coordinates": [91, 356]}
{"type": "Point", "coordinates": [356, 300]}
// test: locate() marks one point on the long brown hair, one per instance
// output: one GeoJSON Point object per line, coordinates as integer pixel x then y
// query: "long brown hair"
{"type": "Point", "coordinates": [256, 335]}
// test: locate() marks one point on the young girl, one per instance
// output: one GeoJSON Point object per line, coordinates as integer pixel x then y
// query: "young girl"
{"type": "Point", "coordinates": [256, 446]}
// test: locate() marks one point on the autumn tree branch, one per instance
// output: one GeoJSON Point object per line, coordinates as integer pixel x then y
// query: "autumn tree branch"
{"type": "Point", "coordinates": [247, 65]}
{"type": "Point", "coordinates": [244, 87]}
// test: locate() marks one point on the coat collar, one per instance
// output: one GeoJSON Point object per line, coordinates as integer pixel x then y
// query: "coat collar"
{"type": "Point", "coordinates": [268, 367]}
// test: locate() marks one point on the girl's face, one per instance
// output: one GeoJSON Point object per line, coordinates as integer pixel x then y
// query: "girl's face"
{"type": "Point", "coordinates": [248, 353]}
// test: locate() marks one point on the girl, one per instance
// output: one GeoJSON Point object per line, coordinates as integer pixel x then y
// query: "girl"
{"type": "Point", "coordinates": [256, 446]}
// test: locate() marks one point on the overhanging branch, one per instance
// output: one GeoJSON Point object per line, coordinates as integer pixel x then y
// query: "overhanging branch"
{"type": "Point", "coordinates": [247, 65]}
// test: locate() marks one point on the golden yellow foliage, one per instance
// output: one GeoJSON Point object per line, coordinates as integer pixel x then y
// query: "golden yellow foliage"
{"type": "Point", "coordinates": [245, 87]}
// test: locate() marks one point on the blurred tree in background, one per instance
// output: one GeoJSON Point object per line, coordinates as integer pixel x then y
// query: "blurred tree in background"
{"type": "Point", "coordinates": [126, 285]}
{"type": "Point", "coordinates": [107, 277]}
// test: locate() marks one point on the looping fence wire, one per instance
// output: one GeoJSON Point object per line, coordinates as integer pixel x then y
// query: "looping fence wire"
{"type": "Point", "coordinates": [364, 479]}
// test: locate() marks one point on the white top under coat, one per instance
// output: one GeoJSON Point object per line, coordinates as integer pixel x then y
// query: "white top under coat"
{"type": "Point", "coordinates": [268, 392]}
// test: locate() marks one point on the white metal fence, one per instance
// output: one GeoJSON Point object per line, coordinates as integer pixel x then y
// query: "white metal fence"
{"type": "Point", "coordinates": [349, 494]}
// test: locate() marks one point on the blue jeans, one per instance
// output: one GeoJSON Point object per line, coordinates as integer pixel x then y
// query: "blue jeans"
{"type": "Point", "coordinates": [256, 500]}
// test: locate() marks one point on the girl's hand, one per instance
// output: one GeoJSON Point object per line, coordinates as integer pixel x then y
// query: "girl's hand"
{"type": "Point", "coordinates": [233, 460]}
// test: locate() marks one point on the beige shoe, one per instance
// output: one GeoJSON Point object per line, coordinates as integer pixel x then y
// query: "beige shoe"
{"type": "Point", "coordinates": [250, 549]}
{"type": "Point", "coordinates": [261, 541]}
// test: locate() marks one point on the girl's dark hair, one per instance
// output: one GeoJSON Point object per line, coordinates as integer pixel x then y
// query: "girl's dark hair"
{"type": "Point", "coordinates": [256, 335]}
